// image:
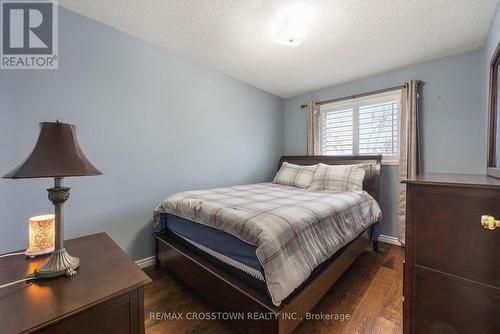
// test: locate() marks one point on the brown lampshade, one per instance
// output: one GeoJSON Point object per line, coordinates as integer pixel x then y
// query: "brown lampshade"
{"type": "Point", "coordinates": [56, 154]}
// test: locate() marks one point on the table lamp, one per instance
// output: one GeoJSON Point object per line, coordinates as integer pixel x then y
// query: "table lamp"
{"type": "Point", "coordinates": [57, 155]}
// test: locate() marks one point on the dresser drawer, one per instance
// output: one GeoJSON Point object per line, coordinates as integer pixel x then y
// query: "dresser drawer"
{"type": "Point", "coordinates": [113, 316]}
{"type": "Point", "coordinates": [448, 235]}
{"type": "Point", "coordinates": [446, 304]}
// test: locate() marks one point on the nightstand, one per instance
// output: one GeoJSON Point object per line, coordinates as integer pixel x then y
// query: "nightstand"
{"type": "Point", "coordinates": [105, 296]}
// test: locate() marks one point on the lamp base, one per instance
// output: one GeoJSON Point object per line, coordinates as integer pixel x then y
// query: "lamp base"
{"type": "Point", "coordinates": [60, 263]}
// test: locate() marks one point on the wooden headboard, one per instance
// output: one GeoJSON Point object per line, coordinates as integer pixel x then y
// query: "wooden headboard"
{"type": "Point", "coordinates": [371, 181]}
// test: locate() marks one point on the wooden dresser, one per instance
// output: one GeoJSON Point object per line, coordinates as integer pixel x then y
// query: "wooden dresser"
{"type": "Point", "coordinates": [105, 296]}
{"type": "Point", "coordinates": [452, 262]}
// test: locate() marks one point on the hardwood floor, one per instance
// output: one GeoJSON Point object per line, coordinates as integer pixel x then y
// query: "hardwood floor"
{"type": "Point", "coordinates": [370, 291]}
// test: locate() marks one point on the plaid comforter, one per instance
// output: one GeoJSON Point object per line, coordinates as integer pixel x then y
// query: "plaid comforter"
{"type": "Point", "coordinates": [294, 229]}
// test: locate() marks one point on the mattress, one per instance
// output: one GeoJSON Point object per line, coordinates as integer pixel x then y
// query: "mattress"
{"type": "Point", "coordinates": [220, 242]}
{"type": "Point", "coordinates": [223, 246]}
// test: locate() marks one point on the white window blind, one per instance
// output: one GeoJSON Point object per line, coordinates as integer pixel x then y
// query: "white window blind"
{"type": "Point", "coordinates": [363, 126]}
{"type": "Point", "coordinates": [337, 135]}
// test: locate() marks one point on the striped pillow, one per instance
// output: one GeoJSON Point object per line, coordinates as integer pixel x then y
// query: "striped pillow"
{"type": "Point", "coordinates": [295, 175]}
{"type": "Point", "coordinates": [344, 178]}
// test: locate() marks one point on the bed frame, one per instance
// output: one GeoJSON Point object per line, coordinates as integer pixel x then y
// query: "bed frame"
{"type": "Point", "coordinates": [228, 293]}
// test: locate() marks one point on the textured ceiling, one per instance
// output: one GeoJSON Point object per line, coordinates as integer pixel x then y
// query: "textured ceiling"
{"type": "Point", "coordinates": [350, 39]}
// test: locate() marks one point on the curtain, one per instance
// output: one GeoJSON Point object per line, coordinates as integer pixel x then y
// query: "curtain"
{"type": "Point", "coordinates": [409, 156]}
{"type": "Point", "coordinates": [313, 128]}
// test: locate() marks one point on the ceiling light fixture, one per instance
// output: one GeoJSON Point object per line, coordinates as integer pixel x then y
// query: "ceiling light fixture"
{"type": "Point", "coordinates": [292, 24]}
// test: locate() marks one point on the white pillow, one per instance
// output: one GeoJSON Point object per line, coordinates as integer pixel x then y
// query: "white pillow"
{"type": "Point", "coordinates": [344, 178]}
{"type": "Point", "coordinates": [295, 175]}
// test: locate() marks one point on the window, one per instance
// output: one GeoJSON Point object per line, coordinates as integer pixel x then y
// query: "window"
{"type": "Point", "coordinates": [367, 125]}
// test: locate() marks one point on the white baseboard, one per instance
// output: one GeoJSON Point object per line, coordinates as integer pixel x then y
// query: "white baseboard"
{"type": "Point", "coordinates": [389, 240]}
{"type": "Point", "coordinates": [147, 262]}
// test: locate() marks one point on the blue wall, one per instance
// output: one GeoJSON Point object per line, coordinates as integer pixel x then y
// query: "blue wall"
{"type": "Point", "coordinates": [452, 120]}
{"type": "Point", "coordinates": [153, 122]}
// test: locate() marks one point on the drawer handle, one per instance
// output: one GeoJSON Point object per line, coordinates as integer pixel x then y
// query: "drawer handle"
{"type": "Point", "coordinates": [489, 222]}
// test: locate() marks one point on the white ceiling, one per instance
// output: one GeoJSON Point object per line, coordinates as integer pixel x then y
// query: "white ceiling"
{"type": "Point", "coordinates": [350, 39]}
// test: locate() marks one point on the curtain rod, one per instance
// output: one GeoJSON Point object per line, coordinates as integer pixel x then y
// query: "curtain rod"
{"type": "Point", "coordinates": [302, 106]}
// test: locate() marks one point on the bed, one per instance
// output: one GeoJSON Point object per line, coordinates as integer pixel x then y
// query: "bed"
{"type": "Point", "coordinates": [218, 241]}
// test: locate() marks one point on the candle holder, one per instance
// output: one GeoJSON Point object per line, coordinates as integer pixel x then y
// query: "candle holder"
{"type": "Point", "coordinates": [40, 235]}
